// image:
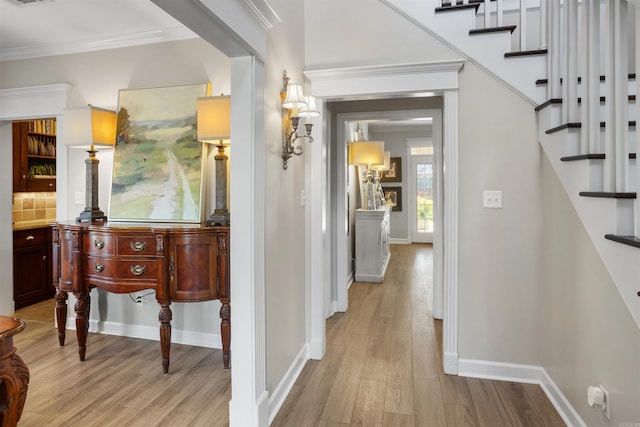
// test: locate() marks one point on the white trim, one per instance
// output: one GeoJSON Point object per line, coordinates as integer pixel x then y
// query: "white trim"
{"type": "Point", "coordinates": [178, 336]}
{"type": "Point", "coordinates": [263, 12]}
{"type": "Point", "coordinates": [249, 400]}
{"type": "Point", "coordinates": [399, 240]}
{"type": "Point", "coordinates": [315, 213]}
{"type": "Point", "coordinates": [524, 374]}
{"type": "Point", "coordinates": [417, 78]}
{"type": "Point", "coordinates": [450, 232]}
{"type": "Point", "coordinates": [103, 43]}
{"type": "Point", "coordinates": [282, 390]}
{"type": "Point", "coordinates": [23, 103]}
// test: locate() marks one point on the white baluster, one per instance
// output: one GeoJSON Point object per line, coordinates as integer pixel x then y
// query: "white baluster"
{"type": "Point", "coordinates": [543, 24]}
{"type": "Point", "coordinates": [487, 13]}
{"type": "Point", "coordinates": [637, 118]}
{"type": "Point", "coordinates": [499, 13]}
{"type": "Point", "coordinates": [523, 26]}
{"type": "Point", "coordinates": [554, 61]}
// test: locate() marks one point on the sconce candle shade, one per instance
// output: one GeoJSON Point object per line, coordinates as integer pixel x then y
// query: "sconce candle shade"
{"type": "Point", "coordinates": [294, 97]}
{"type": "Point", "coordinates": [366, 153]}
{"type": "Point", "coordinates": [89, 126]}
{"type": "Point", "coordinates": [214, 118]}
{"type": "Point", "coordinates": [309, 110]}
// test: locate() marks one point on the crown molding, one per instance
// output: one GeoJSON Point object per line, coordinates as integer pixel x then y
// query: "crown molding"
{"type": "Point", "coordinates": [263, 12]}
{"type": "Point", "coordinates": [384, 70]}
{"type": "Point", "coordinates": [120, 41]}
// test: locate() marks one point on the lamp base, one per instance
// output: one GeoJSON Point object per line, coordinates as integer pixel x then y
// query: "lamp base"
{"type": "Point", "coordinates": [92, 215]}
{"type": "Point", "coordinates": [219, 217]}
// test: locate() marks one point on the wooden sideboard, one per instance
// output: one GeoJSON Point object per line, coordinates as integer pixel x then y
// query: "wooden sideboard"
{"type": "Point", "coordinates": [181, 262]}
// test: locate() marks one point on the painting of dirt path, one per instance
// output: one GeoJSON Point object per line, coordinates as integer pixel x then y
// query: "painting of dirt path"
{"type": "Point", "coordinates": [157, 165]}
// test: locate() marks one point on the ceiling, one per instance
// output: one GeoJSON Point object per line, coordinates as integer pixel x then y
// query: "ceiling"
{"type": "Point", "coordinates": [47, 27]}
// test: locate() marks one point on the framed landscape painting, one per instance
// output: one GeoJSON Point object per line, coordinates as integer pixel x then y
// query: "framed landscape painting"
{"type": "Point", "coordinates": [157, 164]}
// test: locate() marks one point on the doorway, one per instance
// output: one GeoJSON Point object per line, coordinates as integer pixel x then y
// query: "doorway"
{"type": "Point", "coordinates": [420, 197]}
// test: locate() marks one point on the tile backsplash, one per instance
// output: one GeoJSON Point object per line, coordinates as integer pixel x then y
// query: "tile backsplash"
{"type": "Point", "coordinates": [34, 207]}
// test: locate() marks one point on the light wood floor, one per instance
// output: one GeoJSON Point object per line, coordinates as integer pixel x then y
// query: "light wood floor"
{"type": "Point", "coordinates": [382, 368]}
{"type": "Point", "coordinates": [383, 365]}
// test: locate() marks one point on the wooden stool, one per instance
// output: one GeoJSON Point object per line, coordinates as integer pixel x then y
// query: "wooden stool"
{"type": "Point", "coordinates": [14, 374]}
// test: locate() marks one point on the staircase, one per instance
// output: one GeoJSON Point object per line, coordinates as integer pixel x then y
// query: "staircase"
{"type": "Point", "coordinates": [586, 115]}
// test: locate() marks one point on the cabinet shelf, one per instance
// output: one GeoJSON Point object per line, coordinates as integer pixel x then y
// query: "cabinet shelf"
{"type": "Point", "coordinates": [36, 156]}
{"type": "Point", "coordinates": [34, 160]}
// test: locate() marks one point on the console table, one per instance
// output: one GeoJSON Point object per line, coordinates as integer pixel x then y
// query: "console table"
{"type": "Point", "coordinates": [181, 262]}
{"type": "Point", "coordinates": [14, 374]}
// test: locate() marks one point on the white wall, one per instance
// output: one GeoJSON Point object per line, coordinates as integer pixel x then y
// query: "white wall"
{"type": "Point", "coordinates": [96, 78]}
{"type": "Point", "coordinates": [499, 249]}
{"type": "Point", "coordinates": [285, 218]}
{"type": "Point", "coordinates": [587, 334]}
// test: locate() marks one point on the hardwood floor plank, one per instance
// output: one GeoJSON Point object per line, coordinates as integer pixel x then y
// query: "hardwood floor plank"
{"type": "Point", "coordinates": [486, 401]}
{"type": "Point", "coordinates": [325, 423]}
{"type": "Point", "coordinates": [517, 404]}
{"type": "Point", "coordinates": [455, 390]}
{"type": "Point", "coordinates": [429, 406]}
{"type": "Point", "coordinates": [376, 364]}
{"type": "Point", "coordinates": [543, 406]}
{"type": "Point", "coordinates": [398, 420]}
{"type": "Point", "coordinates": [369, 406]}
{"type": "Point", "coordinates": [460, 416]}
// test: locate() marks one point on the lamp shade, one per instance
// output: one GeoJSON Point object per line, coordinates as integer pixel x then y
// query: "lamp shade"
{"type": "Point", "coordinates": [386, 165]}
{"type": "Point", "coordinates": [366, 153]}
{"type": "Point", "coordinates": [294, 97]}
{"type": "Point", "coordinates": [309, 110]}
{"type": "Point", "coordinates": [214, 118]}
{"type": "Point", "coordinates": [89, 126]}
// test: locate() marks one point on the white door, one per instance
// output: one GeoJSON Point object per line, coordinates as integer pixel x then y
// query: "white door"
{"type": "Point", "coordinates": [421, 199]}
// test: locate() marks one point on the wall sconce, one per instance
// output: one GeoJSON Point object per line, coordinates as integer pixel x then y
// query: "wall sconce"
{"type": "Point", "coordinates": [95, 126]}
{"type": "Point", "coordinates": [295, 105]}
{"type": "Point", "coordinates": [366, 154]}
{"type": "Point", "coordinates": [214, 127]}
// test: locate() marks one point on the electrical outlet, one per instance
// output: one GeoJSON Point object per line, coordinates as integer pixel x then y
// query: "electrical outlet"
{"type": "Point", "coordinates": [492, 199]}
{"type": "Point", "coordinates": [79, 198]}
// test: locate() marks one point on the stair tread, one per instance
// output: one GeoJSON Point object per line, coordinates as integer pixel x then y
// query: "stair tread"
{"type": "Point", "coordinates": [575, 125]}
{"type": "Point", "coordinates": [627, 240]}
{"type": "Point", "coordinates": [526, 53]}
{"type": "Point", "coordinates": [592, 156]}
{"type": "Point", "coordinates": [609, 194]}
{"type": "Point", "coordinates": [509, 28]}
{"type": "Point", "coordinates": [457, 7]}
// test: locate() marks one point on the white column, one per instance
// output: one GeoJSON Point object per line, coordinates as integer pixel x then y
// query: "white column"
{"type": "Point", "coordinates": [249, 399]}
{"type": "Point", "coordinates": [450, 163]}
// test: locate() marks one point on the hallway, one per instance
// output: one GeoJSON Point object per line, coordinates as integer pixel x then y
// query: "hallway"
{"type": "Point", "coordinates": [383, 365]}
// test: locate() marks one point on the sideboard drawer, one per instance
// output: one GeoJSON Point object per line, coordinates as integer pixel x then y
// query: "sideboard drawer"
{"type": "Point", "coordinates": [116, 268]}
{"type": "Point", "coordinates": [99, 243]}
{"type": "Point", "coordinates": [137, 245]}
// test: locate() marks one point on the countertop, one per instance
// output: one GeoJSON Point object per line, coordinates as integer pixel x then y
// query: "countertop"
{"type": "Point", "coordinates": [26, 225]}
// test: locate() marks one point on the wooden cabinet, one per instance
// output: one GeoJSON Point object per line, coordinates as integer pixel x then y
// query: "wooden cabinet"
{"type": "Point", "coordinates": [372, 244]}
{"type": "Point", "coordinates": [34, 155]}
{"type": "Point", "coordinates": [32, 281]}
{"type": "Point", "coordinates": [181, 262]}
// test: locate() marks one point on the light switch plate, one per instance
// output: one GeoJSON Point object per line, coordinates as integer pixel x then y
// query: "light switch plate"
{"type": "Point", "coordinates": [79, 198]}
{"type": "Point", "coordinates": [492, 199]}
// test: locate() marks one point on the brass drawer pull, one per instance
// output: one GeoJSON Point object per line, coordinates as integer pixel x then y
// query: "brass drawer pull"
{"type": "Point", "coordinates": [99, 267]}
{"type": "Point", "coordinates": [137, 270]}
{"type": "Point", "coordinates": [99, 244]}
{"type": "Point", "coordinates": [138, 246]}
{"type": "Point", "coordinates": [30, 237]}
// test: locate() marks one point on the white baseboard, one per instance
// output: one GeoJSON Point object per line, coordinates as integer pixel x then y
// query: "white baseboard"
{"type": "Point", "coordinates": [524, 374]}
{"type": "Point", "coordinates": [282, 390]}
{"type": "Point", "coordinates": [178, 336]}
{"type": "Point", "coordinates": [399, 241]}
